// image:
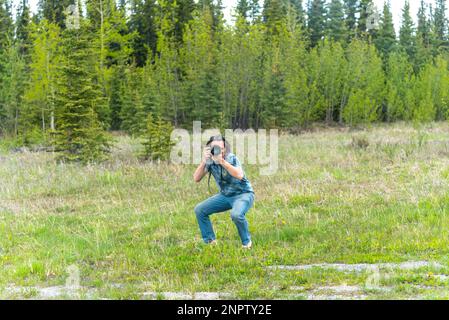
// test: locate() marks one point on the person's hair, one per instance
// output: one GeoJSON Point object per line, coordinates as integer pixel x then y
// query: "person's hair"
{"type": "Point", "coordinates": [220, 138]}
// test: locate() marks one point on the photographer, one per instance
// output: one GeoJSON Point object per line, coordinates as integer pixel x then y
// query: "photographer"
{"type": "Point", "coordinates": [236, 193]}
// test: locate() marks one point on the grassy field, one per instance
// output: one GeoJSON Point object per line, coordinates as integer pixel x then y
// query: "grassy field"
{"type": "Point", "coordinates": [378, 195]}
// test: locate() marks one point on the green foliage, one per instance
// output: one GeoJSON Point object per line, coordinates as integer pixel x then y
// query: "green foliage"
{"type": "Point", "coordinates": [178, 60]}
{"type": "Point", "coordinates": [364, 89]}
{"type": "Point", "coordinates": [400, 80]}
{"type": "Point", "coordinates": [78, 135]}
{"type": "Point", "coordinates": [386, 37]}
{"type": "Point", "coordinates": [157, 144]}
{"type": "Point", "coordinates": [336, 25]}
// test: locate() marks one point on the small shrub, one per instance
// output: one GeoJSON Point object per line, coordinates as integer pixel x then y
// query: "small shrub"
{"type": "Point", "coordinates": [157, 144]}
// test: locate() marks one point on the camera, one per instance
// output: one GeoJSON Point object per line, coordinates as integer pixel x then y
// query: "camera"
{"type": "Point", "coordinates": [216, 150]}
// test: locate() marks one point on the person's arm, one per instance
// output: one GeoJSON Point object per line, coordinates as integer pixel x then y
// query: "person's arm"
{"type": "Point", "coordinates": [201, 171]}
{"type": "Point", "coordinates": [236, 172]}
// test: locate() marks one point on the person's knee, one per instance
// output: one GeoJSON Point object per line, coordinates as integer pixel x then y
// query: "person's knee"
{"type": "Point", "coordinates": [237, 216]}
{"type": "Point", "coordinates": [198, 210]}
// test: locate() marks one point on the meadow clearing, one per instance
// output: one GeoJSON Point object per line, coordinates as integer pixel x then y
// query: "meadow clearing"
{"type": "Point", "coordinates": [371, 199]}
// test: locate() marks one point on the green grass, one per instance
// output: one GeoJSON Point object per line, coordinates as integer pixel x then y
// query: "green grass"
{"type": "Point", "coordinates": [340, 196]}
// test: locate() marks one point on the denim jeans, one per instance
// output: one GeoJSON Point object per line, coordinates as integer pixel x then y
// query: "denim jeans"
{"type": "Point", "coordinates": [239, 206]}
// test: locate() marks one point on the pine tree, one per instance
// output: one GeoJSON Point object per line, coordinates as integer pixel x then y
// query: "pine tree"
{"type": "Point", "coordinates": [369, 18]}
{"type": "Point", "coordinates": [440, 25]}
{"type": "Point", "coordinates": [316, 21]}
{"type": "Point", "coordinates": [254, 11]}
{"type": "Point", "coordinates": [6, 33]}
{"type": "Point", "coordinates": [242, 9]}
{"type": "Point", "coordinates": [157, 144]}
{"type": "Point", "coordinates": [386, 38]}
{"type": "Point", "coordinates": [143, 23]}
{"type": "Point", "coordinates": [407, 38]}
{"type": "Point", "coordinates": [350, 8]}
{"type": "Point", "coordinates": [336, 26]}
{"type": "Point", "coordinates": [78, 136]}
{"type": "Point", "coordinates": [299, 12]}
{"type": "Point", "coordinates": [13, 80]}
{"type": "Point", "coordinates": [54, 10]}
{"type": "Point", "coordinates": [132, 114]}
{"type": "Point", "coordinates": [273, 13]}
{"type": "Point", "coordinates": [423, 38]}
{"type": "Point", "coordinates": [22, 28]}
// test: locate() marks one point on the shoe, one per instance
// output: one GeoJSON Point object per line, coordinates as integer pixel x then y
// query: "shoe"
{"type": "Point", "coordinates": [213, 243]}
{"type": "Point", "coordinates": [248, 246]}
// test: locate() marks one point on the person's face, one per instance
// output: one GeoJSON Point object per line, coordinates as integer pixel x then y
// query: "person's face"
{"type": "Point", "coordinates": [221, 144]}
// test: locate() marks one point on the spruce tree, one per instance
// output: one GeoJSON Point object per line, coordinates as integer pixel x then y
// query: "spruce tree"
{"type": "Point", "coordinates": [423, 38]}
{"type": "Point", "coordinates": [143, 23]}
{"type": "Point", "coordinates": [274, 11]}
{"type": "Point", "coordinates": [299, 11]}
{"type": "Point", "coordinates": [336, 26]}
{"type": "Point", "coordinates": [78, 135]}
{"type": "Point", "coordinates": [407, 38]}
{"type": "Point", "coordinates": [54, 10]}
{"type": "Point", "coordinates": [242, 9]}
{"type": "Point", "coordinates": [440, 25]}
{"type": "Point", "coordinates": [386, 38]}
{"type": "Point", "coordinates": [350, 8]}
{"type": "Point", "coordinates": [316, 21]}
{"type": "Point", "coordinates": [368, 20]}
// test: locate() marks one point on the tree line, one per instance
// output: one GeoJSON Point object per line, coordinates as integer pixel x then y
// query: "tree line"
{"type": "Point", "coordinates": [137, 65]}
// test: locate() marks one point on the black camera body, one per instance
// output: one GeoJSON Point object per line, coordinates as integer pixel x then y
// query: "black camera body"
{"type": "Point", "coordinates": [216, 150]}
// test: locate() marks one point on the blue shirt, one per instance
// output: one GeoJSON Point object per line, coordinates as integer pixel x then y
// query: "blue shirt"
{"type": "Point", "coordinates": [228, 185]}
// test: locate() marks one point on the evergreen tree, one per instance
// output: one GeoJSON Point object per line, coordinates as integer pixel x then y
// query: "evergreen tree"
{"type": "Point", "coordinates": [440, 25]}
{"type": "Point", "coordinates": [132, 113]}
{"type": "Point", "coordinates": [369, 19]}
{"type": "Point", "coordinates": [350, 8]}
{"type": "Point", "coordinates": [242, 9]}
{"type": "Point", "coordinates": [299, 12]}
{"type": "Point", "coordinates": [143, 23]}
{"type": "Point", "coordinates": [13, 80]}
{"type": "Point", "coordinates": [254, 11]}
{"type": "Point", "coordinates": [157, 144]}
{"type": "Point", "coordinates": [22, 28]}
{"type": "Point", "coordinates": [78, 136]}
{"type": "Point", "coordinates": [54, 10]}
{"type": "Point", "coordinates": [316, 21]}
{"type": "Point", "coordinates": [407, 39]}
{"type": "Point", "coordinates": [423, 38]}
{"type": "Point", "coordinates": [386, 38]}
{"type": "Point", "coordinates": [274, 11]}
{"type": "Point", "coordinates": [336, 26]}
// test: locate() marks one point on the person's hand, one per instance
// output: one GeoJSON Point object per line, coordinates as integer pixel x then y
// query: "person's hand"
{"type": "Point", "coordinates": [218, 159]}
{"type": "Point", "coordinates": [207, 155]}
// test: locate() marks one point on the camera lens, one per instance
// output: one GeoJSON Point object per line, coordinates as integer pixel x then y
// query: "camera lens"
{"type": "Point", "coordinates": [216, 150]}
